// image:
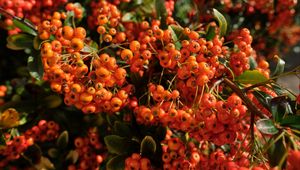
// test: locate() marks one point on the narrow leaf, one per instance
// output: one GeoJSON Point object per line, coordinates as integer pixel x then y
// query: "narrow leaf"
{"type": "Point", "coordinates": [118, 145]}
{"type": "Point", "coordinates": [116, 163]}
{"type": "Point", "coordinates": [279, 66]}
{"type": "Point", "coordinates": [175, 33]}
{"type": "Point", "coordinates": [266, 126]}
{"type": "Point", "coordinates": [52, 101]}
{"type": "Point", "coordinates": [25, 26]}
{"type": "Point", "coordinates": [72, 156]}
{"type": "Point", "coordinates": [161, 12]}
{"type": "Point", "coordinates": [222, 22]}
{"type": "Point", "coordinates": [63, 139]}
{"type": "Point", "coordinates": [148, 146]}
{"type": "Point", "coordinates": [251, 77]}
{"type": "Point", "coordinates": [19, 41]}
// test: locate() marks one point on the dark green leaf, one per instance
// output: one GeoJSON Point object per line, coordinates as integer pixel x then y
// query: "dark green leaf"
{"type": "Point", "coordinates": [118, 145]}
{"type": "Point", "coordinates": [276, 152]}
{"type": "Point", "coordinates": [252, 63]}
{"type": "Point", "coordinates": [129, 17]}
{"type": "Point", "coordinates": [19, 41]}
{"type": "Point", "coordinates": [52, 101]}
{"type": "Point", "coordinates": [251, 77]}
{"type": "Point", "coordinates": [221, 21]}
{"type": "Point", "coordinates": [291, 121]}
{"type": "Point", "coordinates": [34, 153]}
{"type": "Point", "coordinates": [111, 119]}
{"type": "Point", "coordinates": [279, 67]}
{"type": "Point", "coordinates": [160, 133]}
{"type": "Point", "coordinates": [2, 140]}
{"type": "Point", "coordinates": [122, 129]}
{"type": "Point", "coordinates": [266, 126]}
{"type": "Point", "coordinates": [116, 163]}
{"type": "Point", "coordinates": [263, 98]}
{"type": "Point", "coordinates": [70, 18]}
{"type": "Point", "coordinates": [161, 12]}
{"type": "Point", "coordinates": [148, 146]}
{"type": "Point", "coordinates": [176, 31]}
{"type": "Point", "coordinates": [211, 32]}
{"type": "Point", "coordinates": [35, 67]}
{"type": "Point", "coordinates": [25, 26]}
{"type": "Point", "coordinates": [63, 139]}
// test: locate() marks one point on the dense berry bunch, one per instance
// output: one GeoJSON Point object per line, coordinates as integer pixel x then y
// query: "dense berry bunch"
{"type": "Point", "coordinates": [88, 151]}
{"type": "Point", "coordinates": [136, 162]}
{"type": "Point", "coordinates": [149, 89]}
{"type": "Point", "coordinates": [13, 149]}
{"type": "Point", "coordinates": [34, 10]}
{"type": "Point", "coordinates": [43, 131]}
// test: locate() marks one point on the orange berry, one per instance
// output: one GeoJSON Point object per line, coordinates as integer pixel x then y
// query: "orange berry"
{"type": "Point", "coordinates": [126, 54]}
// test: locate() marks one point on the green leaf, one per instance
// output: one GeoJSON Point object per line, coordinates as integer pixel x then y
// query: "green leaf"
{"type": "Point", "coordinates": [19, 41]}
{"type": "Point", "coordinates": [118, 145]}
{"type": "Point", "coordinates": [53, 152]}
{"type": "Point", "coordinates": [252, 63]}
{"type": "Point", "coordinates": [161, 12]}
{"type": "Point", "coordinates": [266, 126]}
{"type": "Point", "coordinates": [122, 129]}
{"type": "Point", "coordinates": [2, 140]}
{"type": "Point", "coordinates": [72, 156]}
{"type": "Point", "coordinates": [25, 26]}
{"type": "Point", "coordinates": [263, 98]}
{"type": "Point", "coordinates": [35, 67]}
{"type": "Point", "coordinates": [291, 121]}
{"type": "Point", "coordinates": [176, 31]}
{"type": "Point", "coordinates": [129, 17]}
{"type": "Point", "coordinates": [70, 18]}
{"type": "Point", "coordinates": [52, 101]}
{"type": "Point", "coordinates": [279, 67]}
{"type": "Point", "coordinates": [251, 77]}
{"type": "Point", "coordinates": [148, 146]}
{"type": "Point", "coordinates": [116, 163]}
{"type": "Point", "coordinates": [211, 32]}
{"type": "Point", "coordinates": [222, 22]}
{"type": "Point", "coordinates": [276, 151]}
{"type": "Point", "coordinates": [63, 139]}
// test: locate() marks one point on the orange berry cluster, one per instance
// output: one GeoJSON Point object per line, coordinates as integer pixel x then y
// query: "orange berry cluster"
{"type": "Point", "coordinates": [43, 131]}
{"type": "Point", "coordinates": [34, 10]}
{"type": "Point", "coordinates": [13, 149]}
{"type": "Point", "coordinates": [104, 14]}
{"type": "Point", "coordinates": [239, 61]}
{"type": "Point", "coordinates": [88, 149]}
{"type": "Point", "coordinates": [86, 79]}
{"type": "Point", "coordinates": [136, 162]}
{"type": "Point", "coordinates": [176, 155]}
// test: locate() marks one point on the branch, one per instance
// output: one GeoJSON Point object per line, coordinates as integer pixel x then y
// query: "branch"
{"type": "Point", "coordinates": [243, 96]}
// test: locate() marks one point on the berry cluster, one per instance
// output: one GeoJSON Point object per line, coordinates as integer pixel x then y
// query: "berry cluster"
{"type": "Point", "coordinates": [176, 155]}
{"type": "Point", "coordinates": [34, 10]}
{"type": "Point", "coordinates": [85, 78]}
{"type": "Point", "coordinates": [136, 162]}
{"type": "Point", "coordinates": [44, 131]}
{"type": "Point", "coordinates": [88, 150]}
{"type": "Point", "coordinates": [103, 14]}
{"type": "Point", "coordinates": [13, 149]}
